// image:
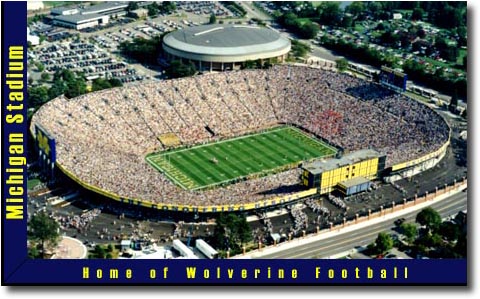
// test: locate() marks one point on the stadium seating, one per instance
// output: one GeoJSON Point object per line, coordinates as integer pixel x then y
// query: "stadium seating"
{"type": "Point", "coordinates": [103, 137]}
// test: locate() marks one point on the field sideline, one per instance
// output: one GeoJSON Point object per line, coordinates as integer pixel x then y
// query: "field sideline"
{"type": "Point", "coordinates": [226, 161]}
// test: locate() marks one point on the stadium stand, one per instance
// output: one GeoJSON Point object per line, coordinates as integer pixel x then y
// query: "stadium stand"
{"type": "Point", "coordinates": [102, 138]}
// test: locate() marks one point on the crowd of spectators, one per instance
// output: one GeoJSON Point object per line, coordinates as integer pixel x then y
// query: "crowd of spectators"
{"type": "Point", "coordinates": [300, 219]}
{"type": "Point", "coordinates": [338, 202]}
{"type": "Point", "coordinates": [103, 137]}
{"type": "Point", "coordinates": [316, 207]}
{"type": "Point", "coordinates": [78, 222]}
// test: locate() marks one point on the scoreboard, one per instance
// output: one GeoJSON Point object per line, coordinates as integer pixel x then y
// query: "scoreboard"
{"type": "Point", "coordinates": [393, 79]}
{"type": "Point", "coordinates": [46, 150]}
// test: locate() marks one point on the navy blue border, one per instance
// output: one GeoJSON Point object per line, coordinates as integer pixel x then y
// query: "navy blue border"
{"type": "Point", "coordinates": [14, 240]}
{"type": "Point", "coordinates": [17, 269]}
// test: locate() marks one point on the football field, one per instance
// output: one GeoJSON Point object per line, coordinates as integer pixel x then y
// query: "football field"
{"type": "Point", "coordinates": [225, 161]}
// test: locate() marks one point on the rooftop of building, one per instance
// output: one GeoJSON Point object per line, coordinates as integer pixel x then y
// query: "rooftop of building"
{"type": "Point", "coordinates": [319, 166]}
{"type": "Point", "coordinates": [78, 18]}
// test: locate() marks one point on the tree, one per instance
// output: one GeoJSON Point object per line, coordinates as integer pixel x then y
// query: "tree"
{"type": "Point", "coordinates": [421, 33]}
{"type": "Point", "coordinates": [417, 14]}
{"type": "Point", "coordinates": [100, 252]}
{"type": "Point", "coordinates": [383, 243]}
{"type": "Point", "coordinates": [329, 13]}
{"type": "Point", "coordinates": [43, 229]}
{"type": "Point", "coordinates": [220, 237]}
{"type": "Point", "coordinates": [357, 9]}
{"type": "Point", "coordinates": [178, 69]}
{"type": "Point", "coordinates": [58, 88]}
{"type": "Point", "coordinates": [342, 64]}
{"type": "Point", "coordinates": [429, 218]}
{"type": "Point", "coordinates": [45, 77]}
{"type": "Point", "coordinates": [152, 9]}
{"type": "Point", "coordinates": [462, 36]}
{"type": "Point", "coordinates": [37, 96]}
{"type": "Point", "coordinates": [167, 7]}
{"type": "Point", "coordinates": [33, 252]}
{"type": "Point", "coordinates": [309, 30]}
{"type": "Point", "coordinates": [249, 64]}
{"type": "Point", "coordinates": [132, 5]}
{"type": "Point", "coordinates": [449, 231]}
{"type": "Point", "coordinates": [299, 49]}
{"type": "Point", "coordinates": [231, 232]}
{"type": "Point", "coordinates": [347, 21]}
{"type": "Point", "coordinates": [375, 9]}
{"type": "Point", "coordinates": [143, 50]}
{"type": "Point", "coordinates": [114, 82]}
{"type": "Point", "coordinates": [244, 231]}
{"type": "Point", "coordinates": [213, 19]}
{"type": "Point", "coordinates": [40, 66]}
{"type": "Point", "coordinates": [461, 246]}
{"type": "Point", "coordinates": [100, 83]}
{"type": "Point", "coordinates": [429, 240]}
{"type": "Point", "coordinates": [452, 107]}
{"type": "Point", "coordinates": [390, 38]}
{"type": "Point", "coordinates": [409, 230]}
{"type": "Point", "coordinates": [76, 87]}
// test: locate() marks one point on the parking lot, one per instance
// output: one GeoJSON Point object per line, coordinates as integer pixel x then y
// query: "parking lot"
{"type": "Point", "coordinates": [82, 56]}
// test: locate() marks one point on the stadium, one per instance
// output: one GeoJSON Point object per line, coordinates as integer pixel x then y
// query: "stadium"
{"type": "Point", "coordinates": [238, 141]}
{"type": "Point", "coordinates": [225, 47]}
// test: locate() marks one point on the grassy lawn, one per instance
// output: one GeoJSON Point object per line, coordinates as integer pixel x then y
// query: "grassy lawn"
{"type": "Point", "coordinates": [461, 54]}
{"type": "Point", "coordinates": [359, 28]}
{"type": "Point", "coordinates": [303, 20]}
{"type": "Point", "coordinates": [444, 64]}
{"type": "Point", "coordinates": [32, 183]}
{"type": "Point", "coordinates": [226, 161]}
{"type": "Point", "coordinates": [436, 62]}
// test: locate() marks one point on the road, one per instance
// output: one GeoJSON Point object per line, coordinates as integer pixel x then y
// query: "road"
{"type": "Point", "coordinates": [253, 12]}
{"type": "Point", "coordinates": [345, 242]}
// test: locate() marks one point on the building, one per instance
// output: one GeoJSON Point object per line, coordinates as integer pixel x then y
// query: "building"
{"type": "Point", "coordinates": [32, 39]}
{"type": "Point", "coordinates": [87, 16]}
{"type": "Point", "coordinates": [64, 11]}
{"type": "Point", "coordinates": [225, 47]}
{"type": "Point", "coordinates": [80, 21]}
{"type": "Point", "coordinates": [349, 173]}
{"type": "Point", "coordinates": [112, 9]}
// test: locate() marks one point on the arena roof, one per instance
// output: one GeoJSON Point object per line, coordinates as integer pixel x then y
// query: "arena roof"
{"type": "Point", "coordinates": [226, 35]}
{"type": "Point", "coordinates": [226, 40]}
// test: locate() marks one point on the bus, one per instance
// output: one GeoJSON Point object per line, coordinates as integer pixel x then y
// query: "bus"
{"type": "Point", "coordinates": [428, 93]}
{"type": "Point", "coordinates": [364, 70]}
{"type": "Point", "coordinates": [183, 249]}
{"type": "Point", "coordinates": [206, 249]}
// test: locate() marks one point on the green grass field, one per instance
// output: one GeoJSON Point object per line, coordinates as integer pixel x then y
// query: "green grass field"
{"type": "Point", "coordinates": [222, 162]}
